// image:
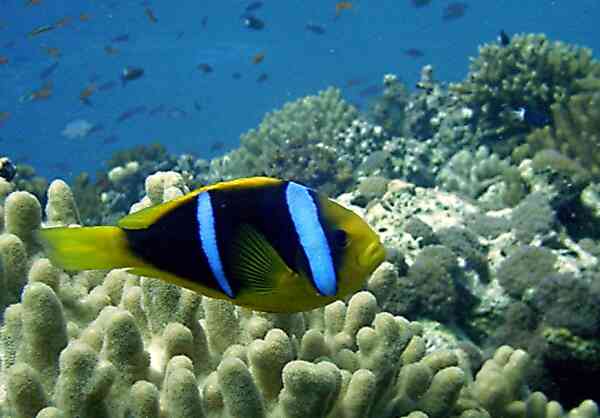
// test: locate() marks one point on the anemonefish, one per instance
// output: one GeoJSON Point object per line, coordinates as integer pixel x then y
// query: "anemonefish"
{"type": "Point", "coordinates": [262, 243]}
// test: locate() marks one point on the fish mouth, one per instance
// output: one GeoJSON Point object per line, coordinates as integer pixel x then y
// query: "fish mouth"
{"type": "Point", "coordinates": [373, 256]}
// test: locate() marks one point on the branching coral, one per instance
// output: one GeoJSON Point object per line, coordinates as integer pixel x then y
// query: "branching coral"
{"type": "Point", "coordinates": [575, 134]}
{"type": "Point", "coordinates": [532, 73]}
{"type": "Point", "coordinates": [388, 110]}
{"type": "Point", "coordinates": [300, 141]}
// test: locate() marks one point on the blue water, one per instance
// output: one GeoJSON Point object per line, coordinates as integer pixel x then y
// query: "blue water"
{"type": "Point", "coordinates": [362, 45]}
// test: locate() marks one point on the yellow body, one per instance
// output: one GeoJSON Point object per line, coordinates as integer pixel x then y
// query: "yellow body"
{"type": "Point", "coordinates": [283, 290]}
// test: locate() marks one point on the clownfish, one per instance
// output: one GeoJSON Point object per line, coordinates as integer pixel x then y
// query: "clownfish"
{"type": "Point", "coordinates": [262, 243]}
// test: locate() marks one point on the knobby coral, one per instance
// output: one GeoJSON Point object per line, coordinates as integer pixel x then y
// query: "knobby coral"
{"type": "Point", "coordinates": [111, 344]}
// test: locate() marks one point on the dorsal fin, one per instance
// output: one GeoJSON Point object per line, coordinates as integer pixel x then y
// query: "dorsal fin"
{"type": "Point", "coordinates": [146, 217]}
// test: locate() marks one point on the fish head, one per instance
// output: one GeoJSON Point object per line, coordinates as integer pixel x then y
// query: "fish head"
{"type": "Point", "coordinates": [355, 246]}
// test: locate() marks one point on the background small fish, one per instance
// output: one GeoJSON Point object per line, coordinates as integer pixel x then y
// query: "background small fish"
{"type": "Point", "coordinates": [253, 22]}
{"type": "Point", "coordinates": [47, 72]}
{"type": "Point", "coordinates": [315, 28]}
{"type": "Point", "coordinates": [130, 74]}
{"type": "Point", "coordinates": [4, 116]}
{"type": "Point", "coordinates": [111, 139]}
{"type": "Point", "coordinates": [258, 58]}
{"type": "Point", "coordinates": [454, 11]}
{"type": "Point", "coordinates": [87, 93]}
{"type": "Point", "coordinates": [216, 146]}
{"type": "Point", "coordinates": [150, 14]}
{"type": "Point", "coordinates": [129, 113]}
{"type": "Point", "coordinates": [205, 68]}
{"type": "Point", "coordinates": [414, 53]}
{"type": "Point", "coordinates": [65, 21]}
{"type": "Point", "coordinates": [110, 50]}
{"type": "Point", "coordinates": [161, 108]}
{"type": "Point", "coordinates": [41, 29]}
{"type": "Point", "coordinates": [355, 82]}
{"type": "Point", "coordinates": [420, 3]}
{"type": "Point", "coordinates": [503, 38]}
{"type": "Point", "coordinates": [53, 52]}
{"type": "Point", "coordinates": [341, 6]}
{"type": "Point", "coordinates": [124, 37]}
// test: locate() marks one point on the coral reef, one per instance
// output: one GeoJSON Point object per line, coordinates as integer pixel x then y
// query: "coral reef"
{"type": "Point", "coordinates": [575, 132]}
{"type": "Point", "coordinates": [388, 110]}
{"type": "Point", "coordinates": [488, 258]}
{"type": "Point", "coordinates": [481, 272]}
{"type": "Point", "coordinates": [511, 88]}
{"type": "Point", "coordinates": [26, 179]}
{"type": "Point", "coordinates": [88, 195]}
{"type": "Point", "coordinates": [436, 126]}
{"type": "Point", "coordinates": [111, 344]}
{"type": "Point", "coordinates": [472, 174]}
{"type": "Point", "coordinates": [301, 141]}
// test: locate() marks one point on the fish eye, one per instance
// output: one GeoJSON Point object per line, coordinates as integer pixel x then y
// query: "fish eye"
{"type": "Point", "coordinates": [340, 238]}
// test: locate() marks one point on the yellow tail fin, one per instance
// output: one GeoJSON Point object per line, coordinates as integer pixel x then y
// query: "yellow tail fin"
{"type": "Point", "coordinates": [89, 248]}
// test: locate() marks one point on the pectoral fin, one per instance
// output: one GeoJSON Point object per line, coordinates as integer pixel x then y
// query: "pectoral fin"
{"type": "Point", "coordinates": [255, 263]}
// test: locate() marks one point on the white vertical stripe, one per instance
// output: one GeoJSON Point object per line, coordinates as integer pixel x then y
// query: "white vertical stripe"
{"type": "Point", "coordinates": [208, 240]}
{"type": "Point", "coordinates": [303, 211]}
